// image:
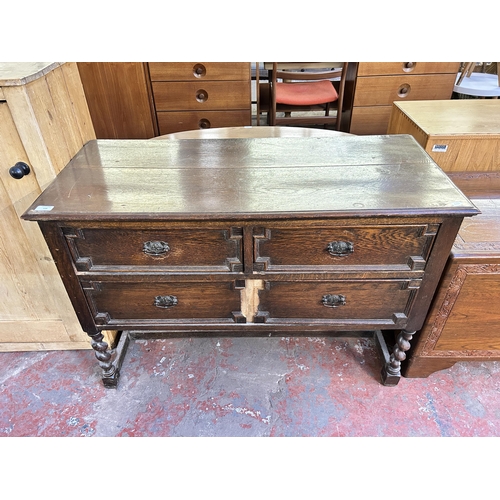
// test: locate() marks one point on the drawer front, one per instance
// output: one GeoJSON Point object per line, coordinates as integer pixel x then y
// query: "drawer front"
{"type": "Point", "coordinates": [184, 96]}
{"type": "Point", "coordinates": [363, 302]}
{"type": "Point", "coordinates": [196, 71]}
{"type": "Point", "coordinates": [399, 248]}
{"type": "Point", "coordinates": [383, 90]}
{"type": "Point", "coordinates": [404, 68]}
{"type": "Point", "coordinates": [370, 120]}
{"type": "Point", "coordinates": [177, 121]}
{"type": "Point", "coordinates": [186, 250]}
{"type": "Point", "coordinates": [129, 303]}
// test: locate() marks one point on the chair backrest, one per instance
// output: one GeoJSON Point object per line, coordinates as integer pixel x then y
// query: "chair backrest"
{"type": "Point", "coordinates": [336, 75]}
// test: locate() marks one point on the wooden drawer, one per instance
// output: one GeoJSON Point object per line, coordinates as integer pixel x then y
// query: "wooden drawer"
{"type": "Point", "coordinates": [177, 121]}
{"type": "Point", "coordinates": [398, 248]}
{"type": "Point", "coordinates": [193, 71]}
{"type": "Point", "coordinates": [189, 250]}
{"type": "Point", "coordinates": [400, 68]}
{"type": "Point", "coordinates": [135, 303]}
{"type": "Point", "coordinates": [383, 90]}
{"type": "Point", "coordinates": [340, 303]}
{"type": "Point", "coordinates": [370, 120]}
{"type": "Point", "coordinates": [184, 96]}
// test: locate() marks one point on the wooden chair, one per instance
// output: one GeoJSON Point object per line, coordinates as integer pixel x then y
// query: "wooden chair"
{"type": "Point", "coordinates": [304, 92]}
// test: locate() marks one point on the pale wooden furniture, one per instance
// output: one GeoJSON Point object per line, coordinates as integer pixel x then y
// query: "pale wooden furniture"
{"type": "Point", "coordinates": [261, 236]}
{"type": "Point", "coordinates": [252, 132]}
{"type": "Point", "coordinates": [459, 134]}
{"type": "Point", "coordinates": [463, 323]}
{"type": "Point", "coordinates": [196, 95]}
{"type": "Point", "coordinates": [119, 99]}
{"type": "Point", "coordinates": [372, 87]}
{"type": "Point", "coordinates": [44, 121]}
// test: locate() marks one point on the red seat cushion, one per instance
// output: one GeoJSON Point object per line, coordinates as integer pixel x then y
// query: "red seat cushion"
{"type": "Point", "coordinates": [305, 94]}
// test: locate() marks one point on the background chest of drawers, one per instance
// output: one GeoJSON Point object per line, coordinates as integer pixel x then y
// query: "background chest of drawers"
{"type": "Point", "coordinates": [140, 100]}
{"type": "Point", "coordinates": [372, 87]}
{"type": "Point", "coordinates": [258, 237]}
{"type": "Point", "coordinates": [190, 95]}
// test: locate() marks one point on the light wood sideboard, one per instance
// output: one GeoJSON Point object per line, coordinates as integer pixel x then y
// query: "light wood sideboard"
{"type": "Point", "coordinates": [372, 87]}
{"type": "Point", "coordinates": [461, 135]}
{"type": "Point", "coordinates": [262, 236]}
{"type": "Point", "coordinates": [44, 121]}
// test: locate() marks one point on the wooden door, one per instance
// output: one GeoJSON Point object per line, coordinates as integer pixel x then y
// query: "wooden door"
{"type": "Point", "coordinates": [40, 124]}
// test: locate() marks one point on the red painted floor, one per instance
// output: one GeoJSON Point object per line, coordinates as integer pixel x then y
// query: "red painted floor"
{"type": "Point", "coordinates": [243, 387]}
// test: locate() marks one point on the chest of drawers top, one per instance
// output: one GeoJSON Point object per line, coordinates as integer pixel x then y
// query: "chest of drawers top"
{"type": "Point", "coordinates": [240, 179]}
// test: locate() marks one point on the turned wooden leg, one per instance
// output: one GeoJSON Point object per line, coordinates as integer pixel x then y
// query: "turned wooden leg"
{"type": "Point", "coordinates": [391, 372]}
{"type": "Point", "coordinates": [110, 360]}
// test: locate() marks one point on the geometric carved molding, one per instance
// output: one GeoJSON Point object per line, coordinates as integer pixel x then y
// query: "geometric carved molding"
{"type": "Point", "coordinates": [444, 312]}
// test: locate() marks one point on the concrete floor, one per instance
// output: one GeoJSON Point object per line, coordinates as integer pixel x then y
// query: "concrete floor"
{"type": "Point", "coordinates": [242, 387]}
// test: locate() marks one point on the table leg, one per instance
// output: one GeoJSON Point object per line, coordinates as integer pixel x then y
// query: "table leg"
{"type": "Point", "coordinates": [110, 360]}
{"type": "Point", "coordinates": [391, 372]}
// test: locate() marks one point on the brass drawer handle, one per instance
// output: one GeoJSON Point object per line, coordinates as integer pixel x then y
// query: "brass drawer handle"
{"type": "Point", "coordinates": [333, 300]}
{"type": "Point", "coordinates": [165, 301]}
{"type": "Point", "coordinates": [340, 248]}
{"type": "Point", "coordinates": [155, 248]}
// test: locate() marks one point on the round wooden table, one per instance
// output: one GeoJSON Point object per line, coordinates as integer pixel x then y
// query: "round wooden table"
{"type": "Point", "coordinates": [250, 132]}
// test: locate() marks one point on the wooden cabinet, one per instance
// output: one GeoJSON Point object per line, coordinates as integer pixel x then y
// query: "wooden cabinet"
{"type": "Point", "coordinates": [460, 135]}
{"type": "Point", "coordinates": [44, 121]}
{"type": "Point", "coordinates": [463, 323]}
{"type": "Point", "coordinates": [190, 95]}
{"type": "Point", "coordinates": [119, 99]}
{"type": "Point", "coordinates": [373, 87]}
{"type": "Point", "coordinates": [284, 236]}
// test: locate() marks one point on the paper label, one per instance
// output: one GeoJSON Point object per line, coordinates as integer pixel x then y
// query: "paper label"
{"type": "Point", "coordinates": [44, 208]}
{"type": "Point", "coordinates": [439, 148]}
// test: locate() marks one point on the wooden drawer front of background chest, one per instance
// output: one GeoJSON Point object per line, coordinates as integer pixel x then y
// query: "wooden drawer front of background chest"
{"type": "Point", "coordinates": [190, 71]}
{"type": "Point", "coordinates": [175, 96]}
{"type": "Point", "coordinates": [397, 248]}
{"type": "Point", "coordinates": [340, 303]}
{"type": "Point", "coordinates": [407, 68]}
{"type": "Point", "coordinates": [384, 90]}
{"type": "Point", "coordinates": [129, 303]}
{"type": "Point", "coordinates": [173, 121]}
{"type": "Point", "coordinates": [193, 250]}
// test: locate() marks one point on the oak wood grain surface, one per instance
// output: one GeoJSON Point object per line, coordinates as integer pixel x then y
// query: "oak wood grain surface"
{"type": "Point", "coordinates": [238, 178]}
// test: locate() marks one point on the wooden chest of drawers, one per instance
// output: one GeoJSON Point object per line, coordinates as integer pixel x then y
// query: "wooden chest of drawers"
{"type": "Point", "coordinates": [190, 96]}
{"type": "Point", "coordinates": [377, 85]}
{"type": "Point", "coordinates": [460, 135]}
{"type": "Point", "coordinates": [251, 237]}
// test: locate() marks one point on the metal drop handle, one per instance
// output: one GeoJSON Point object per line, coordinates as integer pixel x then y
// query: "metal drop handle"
{"type": "Point", "coordinates": [333, 300]}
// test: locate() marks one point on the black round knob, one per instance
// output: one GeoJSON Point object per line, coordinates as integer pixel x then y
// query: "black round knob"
{"type": "Point", "coordinates": [19, 170]}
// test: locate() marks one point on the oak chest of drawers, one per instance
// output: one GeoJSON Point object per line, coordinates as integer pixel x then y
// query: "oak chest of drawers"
{"type": "Point", "coordinates": [190, 95]}
{"type": "Point", "coordinates": [251, 237]}
{"type": "Point", "coordinates": [376, 85]}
